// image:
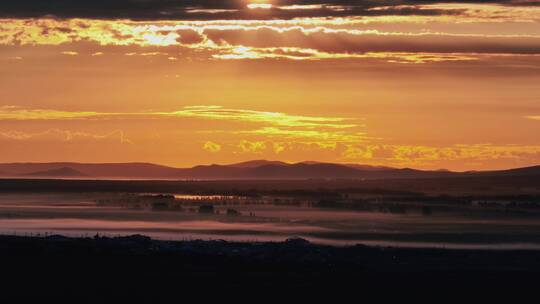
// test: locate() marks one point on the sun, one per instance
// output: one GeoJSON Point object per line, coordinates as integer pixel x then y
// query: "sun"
{"type": "Point", "coordinates": [259, 4]}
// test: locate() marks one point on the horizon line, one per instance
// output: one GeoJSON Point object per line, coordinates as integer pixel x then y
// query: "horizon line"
{"type": "Point", "coordinates": [308, 162]}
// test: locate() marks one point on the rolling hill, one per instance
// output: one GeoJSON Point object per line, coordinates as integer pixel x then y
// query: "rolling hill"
{"type": "Point", "coordinates": [64, 172]}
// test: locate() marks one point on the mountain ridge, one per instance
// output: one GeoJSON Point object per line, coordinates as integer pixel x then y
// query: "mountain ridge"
{"type": "Point", "coordinates": [64, 172]}
{"type": "Point", "coordinates": [256, 169]}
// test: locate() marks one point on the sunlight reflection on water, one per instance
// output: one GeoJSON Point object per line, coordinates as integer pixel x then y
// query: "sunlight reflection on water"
{"type": "Point", "coordinates": [73, 216]}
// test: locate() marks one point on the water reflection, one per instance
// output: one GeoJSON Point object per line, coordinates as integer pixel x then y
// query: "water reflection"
{"type": "Point", "coordinates": [254, 220]}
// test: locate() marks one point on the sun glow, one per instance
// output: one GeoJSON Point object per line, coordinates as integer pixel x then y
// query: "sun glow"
{"type": "Point", "coordinates": [259, 6]}
{"type": "Point", "coordinates": [189, 82]}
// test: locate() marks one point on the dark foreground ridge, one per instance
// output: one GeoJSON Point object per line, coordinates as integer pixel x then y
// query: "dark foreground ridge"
{"type": "Point", "coordinates": [295, 254]}
{"type": "Point", "coordinates": [137, 266]}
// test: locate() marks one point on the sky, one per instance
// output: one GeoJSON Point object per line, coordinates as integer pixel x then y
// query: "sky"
{"type": "Point", "coordinates": [421, 83]}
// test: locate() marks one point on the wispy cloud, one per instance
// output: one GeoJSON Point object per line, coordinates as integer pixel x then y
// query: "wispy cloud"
{"type": "Point", "coordinates": [428, 155]}
{"type": "Point", "coordinates": [201, 112]}
{"type": "Point", "coordinates": [64, 136]}
{"type": "Point", "coordinates": [251, 146]}
{"type": "Point", "coordinates": [271, 118]}
{"type": "Point", "coordinates": [70, 53]}
{"type": "Point", "coordinates": [320, 135]}
{"type": "Point", "coordinates": [309, 129]}
{"type": "Point", "coordinates": [18, 113]}
{"type": "Point", "coordinates": [294, 53]}
{"type": "Point", "coordinates": [211, 147]}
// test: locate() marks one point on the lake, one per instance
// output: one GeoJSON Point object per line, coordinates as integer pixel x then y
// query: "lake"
{"type": "Point", "coordinates": [258, 220]}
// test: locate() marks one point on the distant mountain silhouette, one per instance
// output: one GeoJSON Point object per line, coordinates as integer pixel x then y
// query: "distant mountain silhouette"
{"type": "Point", "coordinates": [369, 168]}
{"type": "Point", "coordinates": [355, 166]}
{"type": "Point", "coordinates": [258, 169]}
{"type": "Point", "coordinates": [106, 170]}
{"type": "Point", "coordinates": [526, 171]}
{"type": "Point", "coordinates": [271, 171]}
{"type": "Point", "coordinates": [61, 172]}
{"type": "Point", "coordinates": [257, 163]}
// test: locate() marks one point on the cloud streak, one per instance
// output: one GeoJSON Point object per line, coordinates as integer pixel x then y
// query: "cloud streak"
{"type": "Point", "coordinates": [238, 41]}
{"type": "Point", "coordinates": [64, 136]}
{"type": "Point", "coordinates": [17, 113]}
{"type": "Point", "coordinates": [324, 131]}
{"type": "Point", "coordinates": [271, 118]}
{"type": "Point", "coordinates": [200, 112]}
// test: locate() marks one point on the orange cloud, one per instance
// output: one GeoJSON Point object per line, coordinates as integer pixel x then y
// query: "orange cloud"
{"type": "Point", "coordinates": [70, 53]}
{"type": "Point", "coordinates": [251, 147]}
{"type": "Point", "coordinates": [211, 147]}
{"type": "Point", "coordinates": [293, 53]}
{"type": "Point", "coordinates": [428, 155]}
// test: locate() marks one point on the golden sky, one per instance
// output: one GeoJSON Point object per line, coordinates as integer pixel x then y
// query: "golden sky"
{"type": "Point", "coordinates": [421, 84]}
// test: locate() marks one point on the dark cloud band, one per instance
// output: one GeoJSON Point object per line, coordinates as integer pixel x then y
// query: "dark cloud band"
{"type": "Point", "coordinates": [225, 9]}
